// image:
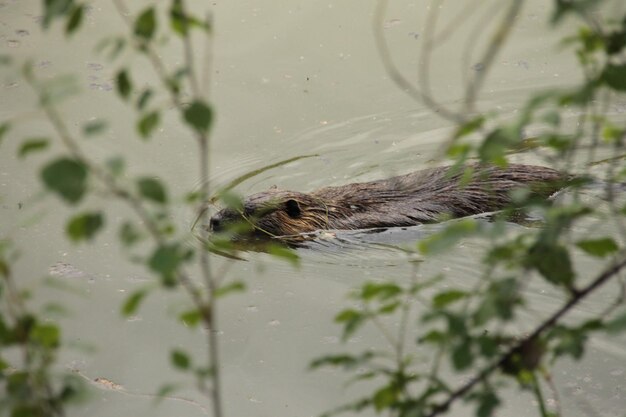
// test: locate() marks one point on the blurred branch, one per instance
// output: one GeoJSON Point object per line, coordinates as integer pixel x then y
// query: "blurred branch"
{"type": "Point", "coordinates": [577, 297]}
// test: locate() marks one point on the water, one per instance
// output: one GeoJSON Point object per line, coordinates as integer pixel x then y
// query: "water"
{"type": "Point", "coordinates": [289, 79]}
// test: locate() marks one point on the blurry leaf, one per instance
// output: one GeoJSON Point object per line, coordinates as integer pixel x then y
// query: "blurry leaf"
{"type": "Point", "coordinates": [75, 19]}
{"type": "Point", "coordinates": [284, 253]}
{"type": "Point", "coordinates": [129, 234]}
{"type": "Point", "coordinates": [352, 320]}
{"type": "Point", "coordinates": [165, 391]}
{"type": "Point", "coordinates": [47, 335]}
{"type": "Point", "coordinates": [94, 127]}
{"type": "Point", "coordinates": [33, 145]}
{"type": "Point", "coordinates": [553, 262]}
{"type": "Point", "coordinates": [570, 341]}
{"type": "Point", "coordinates": [4, 128]}
{"type": "Point", "coordinates": [598, 247]}
{"type": "Point", "coordinates": [84, 226]}
{"type": "Point", "coordinates": [345, 361]}
{"type": "Point", "coordinates": [553, 118]}
{"type": "Point", "coordinates": [495, 145]}
{"type": "Point", "coordinates": [58, 88]}
{"type": "Point", "coordinates": [462, 357]}
{"type": "Point", "coordinates": [152, 189]}
{"type": "Point", "coordinates": [614, 75]}
{"type": "Point", "coordinates": [148, 123]}
{"type": "Point", "coordinates": [470, 127]}
{"type": "Point", "coordinates": [385, 397]}
{"type": "Point", "coordinates": [488, 346]}
{"type": "Point", "coordinates": [191, 318]}
{"type": "Point", "coordinates": [116, 45]}
{"type": "Point", "coordinates": [132, 303]}
{"type": "Point", "coordinates": [616, 42]}
{"type": "Point", "coordinates": [487, 404]}
{"type": "Point", "coordinates": [115, 165]}
{"type": "Point", "coordinates": [178, 19]}
{"type": "Point", "coordinates": [66, 177]}
{"type": "Point", "coordinates": [54, 9]}
{"type": "Point", "coordinates": [166, 259]}
{"type": "Point", "coordinates": [199, 116]}
{"type": "Point", "coordinates": [443, 240]}
{"type": "Point", "coordinates": [5, 60]}
{"type": "Point", "coordinates": [180, 359]}
{"type": "Point", "coordinates": [143, 99]}
{"type": "Point", "coordinates": [145, 25]}
{"type": "Point", "coordinates": [389, 308]}
{"type": "Point", "coordinates": [434, 336]}
{"type": "Point", "coordinates": [447, 297]}
{"type": "Point", "coordinates": [380, 291]}
{"type": "Point", "coordinates": [123, 83]}
{"type": "Point", "coordinates": [617, 324]}
{"type": "Point", "coordinates": [237, 286]}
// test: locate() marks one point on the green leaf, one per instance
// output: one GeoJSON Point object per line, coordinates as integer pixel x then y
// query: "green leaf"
{"type": "Point", "coordinates": [166, 259]}
{"type": "Point", "coordinates": [94, 127]}
{"type": "Point", "coordinates": [285, 254]}
{"type": "Point", "coordinates": [132, 303]}
{"type": "Point", "coordinates": [115, 165]}
{"type": "Point", "coordinates": [352, 320]}
{"type": "Point", "coordinates": [614, 75]}
{"type": "Point", "coordinates": [147, 124]}
{"type": "Point", "coordinates": [598, 247]}
{"type": "Point", "coordinates": [191, 318]}
{"type": "Point", "coordinates": [470, 127]}
{"type": "Point", "coordinates": [54, 9]}
{"type": "Point", "coordinates": [84, 226]}
{"type": "Point", "coordinates": [33, 145]}
{"type": "Point", "coordinates": [76, 18]}
{"type": "Point", "coordinates": [448, 297]}
{"type": "Point", "coordinates": [385, 397]}
{"type": "Point", "coordinates": [180, 359]}
{"type": "Point", "coordinates": [66, 177]}
{"type": "Point", "coordinates": [47, 335]}
{"type": "Point", "coordinates": [462, 357]}
{"type": "Point", "coordinates": [129, 234]}
{"type": "Point", "coordinates": [199, 116]}
{"type": "Point", "coordinates": [123, 83]}
{"type": "Point", "coordinates": [237, 286]}
{"type": "Point", "coordinates": [487, 404]}
{"type": "Point", "coordinates": [152, 189]}
{"type": "Point", "coordinates": [617, 324]}
{"type": "Point", "coordinates": [145, 25]}
{"type": "Point", "coordinates": [144, 98]}
{"type": "Point", "coordinates": [382, 291]}
{"type": "Point", "coordinates": [445, 239]}
{"type": "Point", "coordinates": [178, 20]}
{"type": "Point", "coordinates": [4, 128]}
{"type": "Point", "coordinates": [553, 262]}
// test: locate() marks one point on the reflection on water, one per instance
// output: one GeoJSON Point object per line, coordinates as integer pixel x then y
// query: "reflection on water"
{"type": "Point", "coordinates": [291, 79]}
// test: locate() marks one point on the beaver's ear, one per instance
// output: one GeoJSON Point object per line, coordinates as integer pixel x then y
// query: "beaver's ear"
{"type": "Point", "coordinates": [292, 208]}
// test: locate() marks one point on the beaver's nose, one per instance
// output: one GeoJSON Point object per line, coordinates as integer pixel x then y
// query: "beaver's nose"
{"type": "Point", "coordinates": [215, 224]}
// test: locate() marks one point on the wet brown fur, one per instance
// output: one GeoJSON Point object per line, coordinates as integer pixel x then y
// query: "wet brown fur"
{"type": "Point", "coordinates": [420, 197]}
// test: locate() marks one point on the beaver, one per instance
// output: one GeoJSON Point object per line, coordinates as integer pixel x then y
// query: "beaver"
{"type": "Point", "coordinates": [424, 196]}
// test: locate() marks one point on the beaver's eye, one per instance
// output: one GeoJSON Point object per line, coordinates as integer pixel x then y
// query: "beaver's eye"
{"type": "Point", "coordinates": [292, 208]}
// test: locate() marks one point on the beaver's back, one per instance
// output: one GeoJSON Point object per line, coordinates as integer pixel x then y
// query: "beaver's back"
{"type": "Point", "coordinates": [427, 195]}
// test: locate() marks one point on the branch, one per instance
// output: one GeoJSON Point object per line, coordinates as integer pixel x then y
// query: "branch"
{"type": "Point", "coordinates": [549, 323]}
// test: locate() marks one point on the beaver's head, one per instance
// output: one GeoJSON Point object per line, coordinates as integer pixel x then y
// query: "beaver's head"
{"type": "Point", "coordinates": [273, 213]}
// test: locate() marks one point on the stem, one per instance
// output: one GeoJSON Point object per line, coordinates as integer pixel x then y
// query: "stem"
{"type": "Point", "coordinates": [539, 396]}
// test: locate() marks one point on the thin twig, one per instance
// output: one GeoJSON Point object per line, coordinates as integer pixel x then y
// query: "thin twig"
{"type": "Point", "coordinates": [496, 44]}
{"type": "Point", "coordinates": [396, 76]}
